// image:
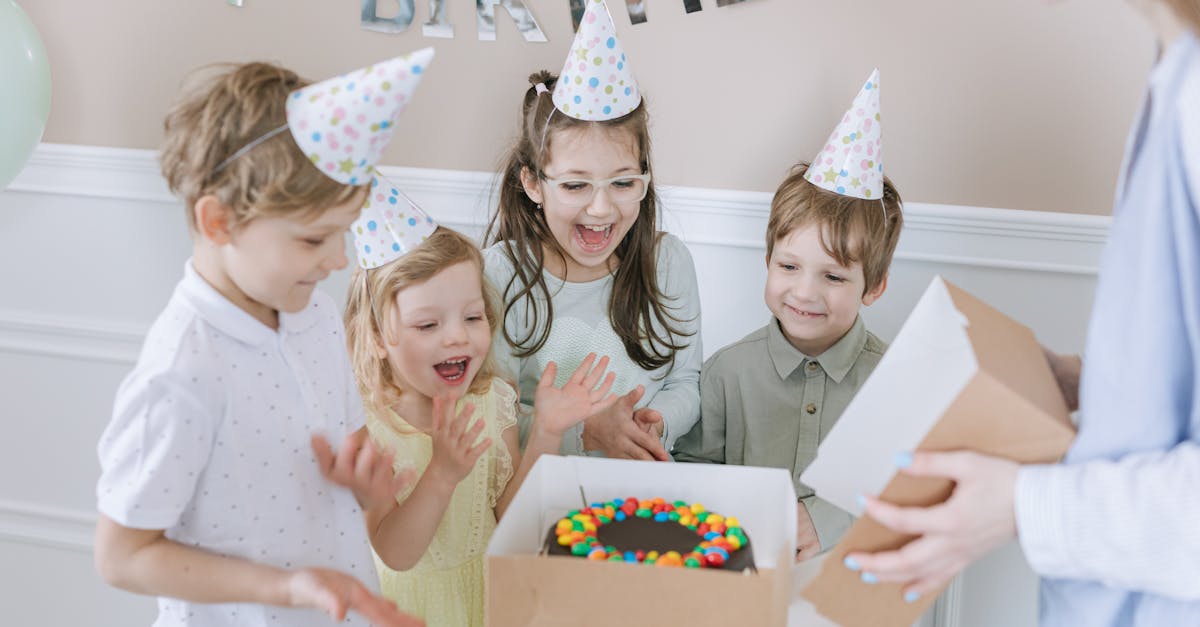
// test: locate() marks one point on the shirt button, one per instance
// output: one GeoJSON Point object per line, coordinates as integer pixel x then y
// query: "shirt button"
{"type": "Point", "coordinates": [812, 366]}
{"type": "Point", "coordinates": [811, 408]}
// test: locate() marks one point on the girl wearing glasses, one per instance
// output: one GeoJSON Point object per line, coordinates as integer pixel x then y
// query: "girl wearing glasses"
{"type": "Point", "coordinates": [575, 252]}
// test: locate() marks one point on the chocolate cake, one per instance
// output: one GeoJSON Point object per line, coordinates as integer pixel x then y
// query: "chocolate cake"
{"type": "Point", "coordinates": [652, 532]}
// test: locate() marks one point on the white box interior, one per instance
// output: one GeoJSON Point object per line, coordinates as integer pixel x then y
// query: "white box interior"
{"type": "Point", "coordinates": [762, 499]}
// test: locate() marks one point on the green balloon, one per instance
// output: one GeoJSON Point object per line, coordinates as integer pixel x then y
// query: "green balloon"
{"type": "Point", "coordinates": [24, 90]}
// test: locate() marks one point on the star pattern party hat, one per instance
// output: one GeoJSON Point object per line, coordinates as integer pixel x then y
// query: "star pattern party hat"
{"type": "Point", "coordinates": [595, 83]}
{"type": "Point", "coordinates": [344, 123]}
{"type": "Point", "coordinates": [390, 225]}
{"type": "Point", "coordinates": [851, 163]}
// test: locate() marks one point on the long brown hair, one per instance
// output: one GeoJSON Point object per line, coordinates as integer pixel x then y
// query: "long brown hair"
{"type": "Point", "coordinates": [373, 298]}
{"type": "Point", "coordinates": [637, 308]}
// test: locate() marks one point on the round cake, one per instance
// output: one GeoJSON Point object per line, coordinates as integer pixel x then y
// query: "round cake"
{"type": "Point", "coordinates": [653, 532]}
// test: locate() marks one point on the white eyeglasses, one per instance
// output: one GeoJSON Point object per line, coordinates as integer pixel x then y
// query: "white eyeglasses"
{"type": "Point", "coordinates": [577, 192]}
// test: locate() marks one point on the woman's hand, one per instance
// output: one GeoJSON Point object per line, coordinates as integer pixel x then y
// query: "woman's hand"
{"type": "Point", "coordinates": [978, 517]}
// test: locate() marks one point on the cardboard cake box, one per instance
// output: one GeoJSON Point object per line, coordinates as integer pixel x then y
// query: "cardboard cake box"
{"type": "Point", "coordinates": [959, 375]}
{"type": "Point", "coordinates": [526, 589]}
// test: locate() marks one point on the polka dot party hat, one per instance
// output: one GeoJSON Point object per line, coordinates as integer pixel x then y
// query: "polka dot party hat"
{"type": "Point", "coordinates": [344, 123]}
{"type": "Point", "coordinates": [851, 163]}
{"type": "Point", "coordinates": [595, 83]}
{"type": "Point", "coordinates": [390, 225]}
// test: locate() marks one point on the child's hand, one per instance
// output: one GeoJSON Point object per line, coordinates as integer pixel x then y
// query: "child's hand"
{"type": "Point", "coordinates": [335, 593]}
{"type": "Point", "coordinates": [360, 466]}
{"type": "Point", "coordinates": [807, 544]}
{"type": "Point", "coordinates": [615, 431]}
{"type": "Point", "coordinates": [558, 409]}
{"type": "Point", "coordinates": [453, 454]}
{"type": "Point", "coordinates": [649, 420]}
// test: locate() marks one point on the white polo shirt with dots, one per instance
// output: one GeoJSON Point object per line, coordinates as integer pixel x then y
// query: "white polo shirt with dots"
{"type": "Point", "coordinates": [209, 440]}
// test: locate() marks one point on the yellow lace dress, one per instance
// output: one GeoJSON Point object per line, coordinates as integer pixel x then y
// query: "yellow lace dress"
{"type": "Point", "coordinates": [446, 586]}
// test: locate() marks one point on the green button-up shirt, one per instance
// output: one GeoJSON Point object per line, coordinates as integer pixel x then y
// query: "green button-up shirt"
{"type": "Point", "coordinates": [764, 403]}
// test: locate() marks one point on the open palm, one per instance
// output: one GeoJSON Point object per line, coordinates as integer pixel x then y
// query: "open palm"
{"type": "Point", "coordinates": [455, 449]}
{"type": "Point", "coordinates": [584, 394]}
{"type": "Point", "coordinates": [362, 467]}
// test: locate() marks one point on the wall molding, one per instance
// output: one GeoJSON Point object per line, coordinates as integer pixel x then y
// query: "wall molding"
{"type": "Point", "coordinates": [935, 233]}
{"type": "Point", "coordinates": [40, 525]}
{"type": "Point", "coordinates": [1002, 239]}
{"type": "Point", "coordinates": [69, 338]}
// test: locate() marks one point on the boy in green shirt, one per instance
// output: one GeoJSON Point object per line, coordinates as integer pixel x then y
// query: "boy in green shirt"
{"type": "Point", "coordinates": [771, 397]}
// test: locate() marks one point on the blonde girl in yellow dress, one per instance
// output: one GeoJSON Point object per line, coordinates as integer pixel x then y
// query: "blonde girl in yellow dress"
{"type": "Point", "coordinates": [420, 331]}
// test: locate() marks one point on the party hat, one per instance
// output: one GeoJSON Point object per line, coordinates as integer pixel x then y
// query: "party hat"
{"type": "Point", "coordinates": [851, 164]}
{"type": "Point", "coordinates": [344, 123]}
{"type": "Point", "coordinates": [595, 83]}
{"type": "Point", "coordinates": [390, 225]}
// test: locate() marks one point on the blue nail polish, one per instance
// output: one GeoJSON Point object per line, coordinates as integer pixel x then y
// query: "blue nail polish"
{"type": "Point", "coordinates": [870, 578]}
{"type": "Point", "coordinates": [911, 596]}
{"type": "Point", "coordinates": [851, 563]}
{"type": "Point", "coordinates": [903, 459]}
{"type": "Point", "coordinates": [861, 500]}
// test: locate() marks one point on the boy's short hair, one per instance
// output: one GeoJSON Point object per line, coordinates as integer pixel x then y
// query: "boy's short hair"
{"type": "Point", "coordinates": [223, 108]}
{"type": "Point", "coordinates": [851, 229]}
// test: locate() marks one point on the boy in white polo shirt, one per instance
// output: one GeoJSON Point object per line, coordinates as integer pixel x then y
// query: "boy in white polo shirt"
{"type": "Point", "coordinates": [219, 492]}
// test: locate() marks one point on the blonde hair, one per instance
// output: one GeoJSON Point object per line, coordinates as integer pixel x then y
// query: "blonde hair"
{"type": "Point", "coordinates": [372, 298]}
{"type": "Point", "coordinates": [852, 230]}
{"type": "Point", "coordinates": [637, 308]}
{"type": "Point", "coordinates": [222, 109]}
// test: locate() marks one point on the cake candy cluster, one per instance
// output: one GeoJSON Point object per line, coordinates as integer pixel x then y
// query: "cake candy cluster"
{"type": "Point", "coordinates": [718, 536]}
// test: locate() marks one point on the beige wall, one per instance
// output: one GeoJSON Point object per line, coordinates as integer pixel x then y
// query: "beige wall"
{"type": "Point", "coordinates": [1000, 103]}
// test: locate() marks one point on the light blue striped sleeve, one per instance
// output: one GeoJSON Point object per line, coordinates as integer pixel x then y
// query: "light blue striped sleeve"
{"type": "Point", "coordinates": [1129, 523]}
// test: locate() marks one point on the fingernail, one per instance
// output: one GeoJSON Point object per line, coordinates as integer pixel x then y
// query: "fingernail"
{"type": "Point", "coordinates": [870, 578]}
{"type": "Point", "coordinates": [911, 596]}
{"type": "Point", "coordinates": [861, 500]}
{"type": "Point", "coordinates": [851, 563]}
{"type": "Point", "coordinates": [903, 459]}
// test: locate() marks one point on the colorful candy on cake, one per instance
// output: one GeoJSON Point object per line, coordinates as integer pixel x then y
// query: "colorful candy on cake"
{"type": "Point", "coordinates": [652, 532]}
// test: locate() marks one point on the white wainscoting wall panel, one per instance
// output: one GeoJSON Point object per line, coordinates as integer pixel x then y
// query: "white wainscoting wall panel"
{"type": "Point", "coordinates": [93, 244]}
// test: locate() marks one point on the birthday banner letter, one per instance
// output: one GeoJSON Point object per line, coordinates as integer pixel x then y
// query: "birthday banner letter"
{"type": "Point", "coordinates": [485, 17]}
{"type": "Point", "coordinates": [439, 26]}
